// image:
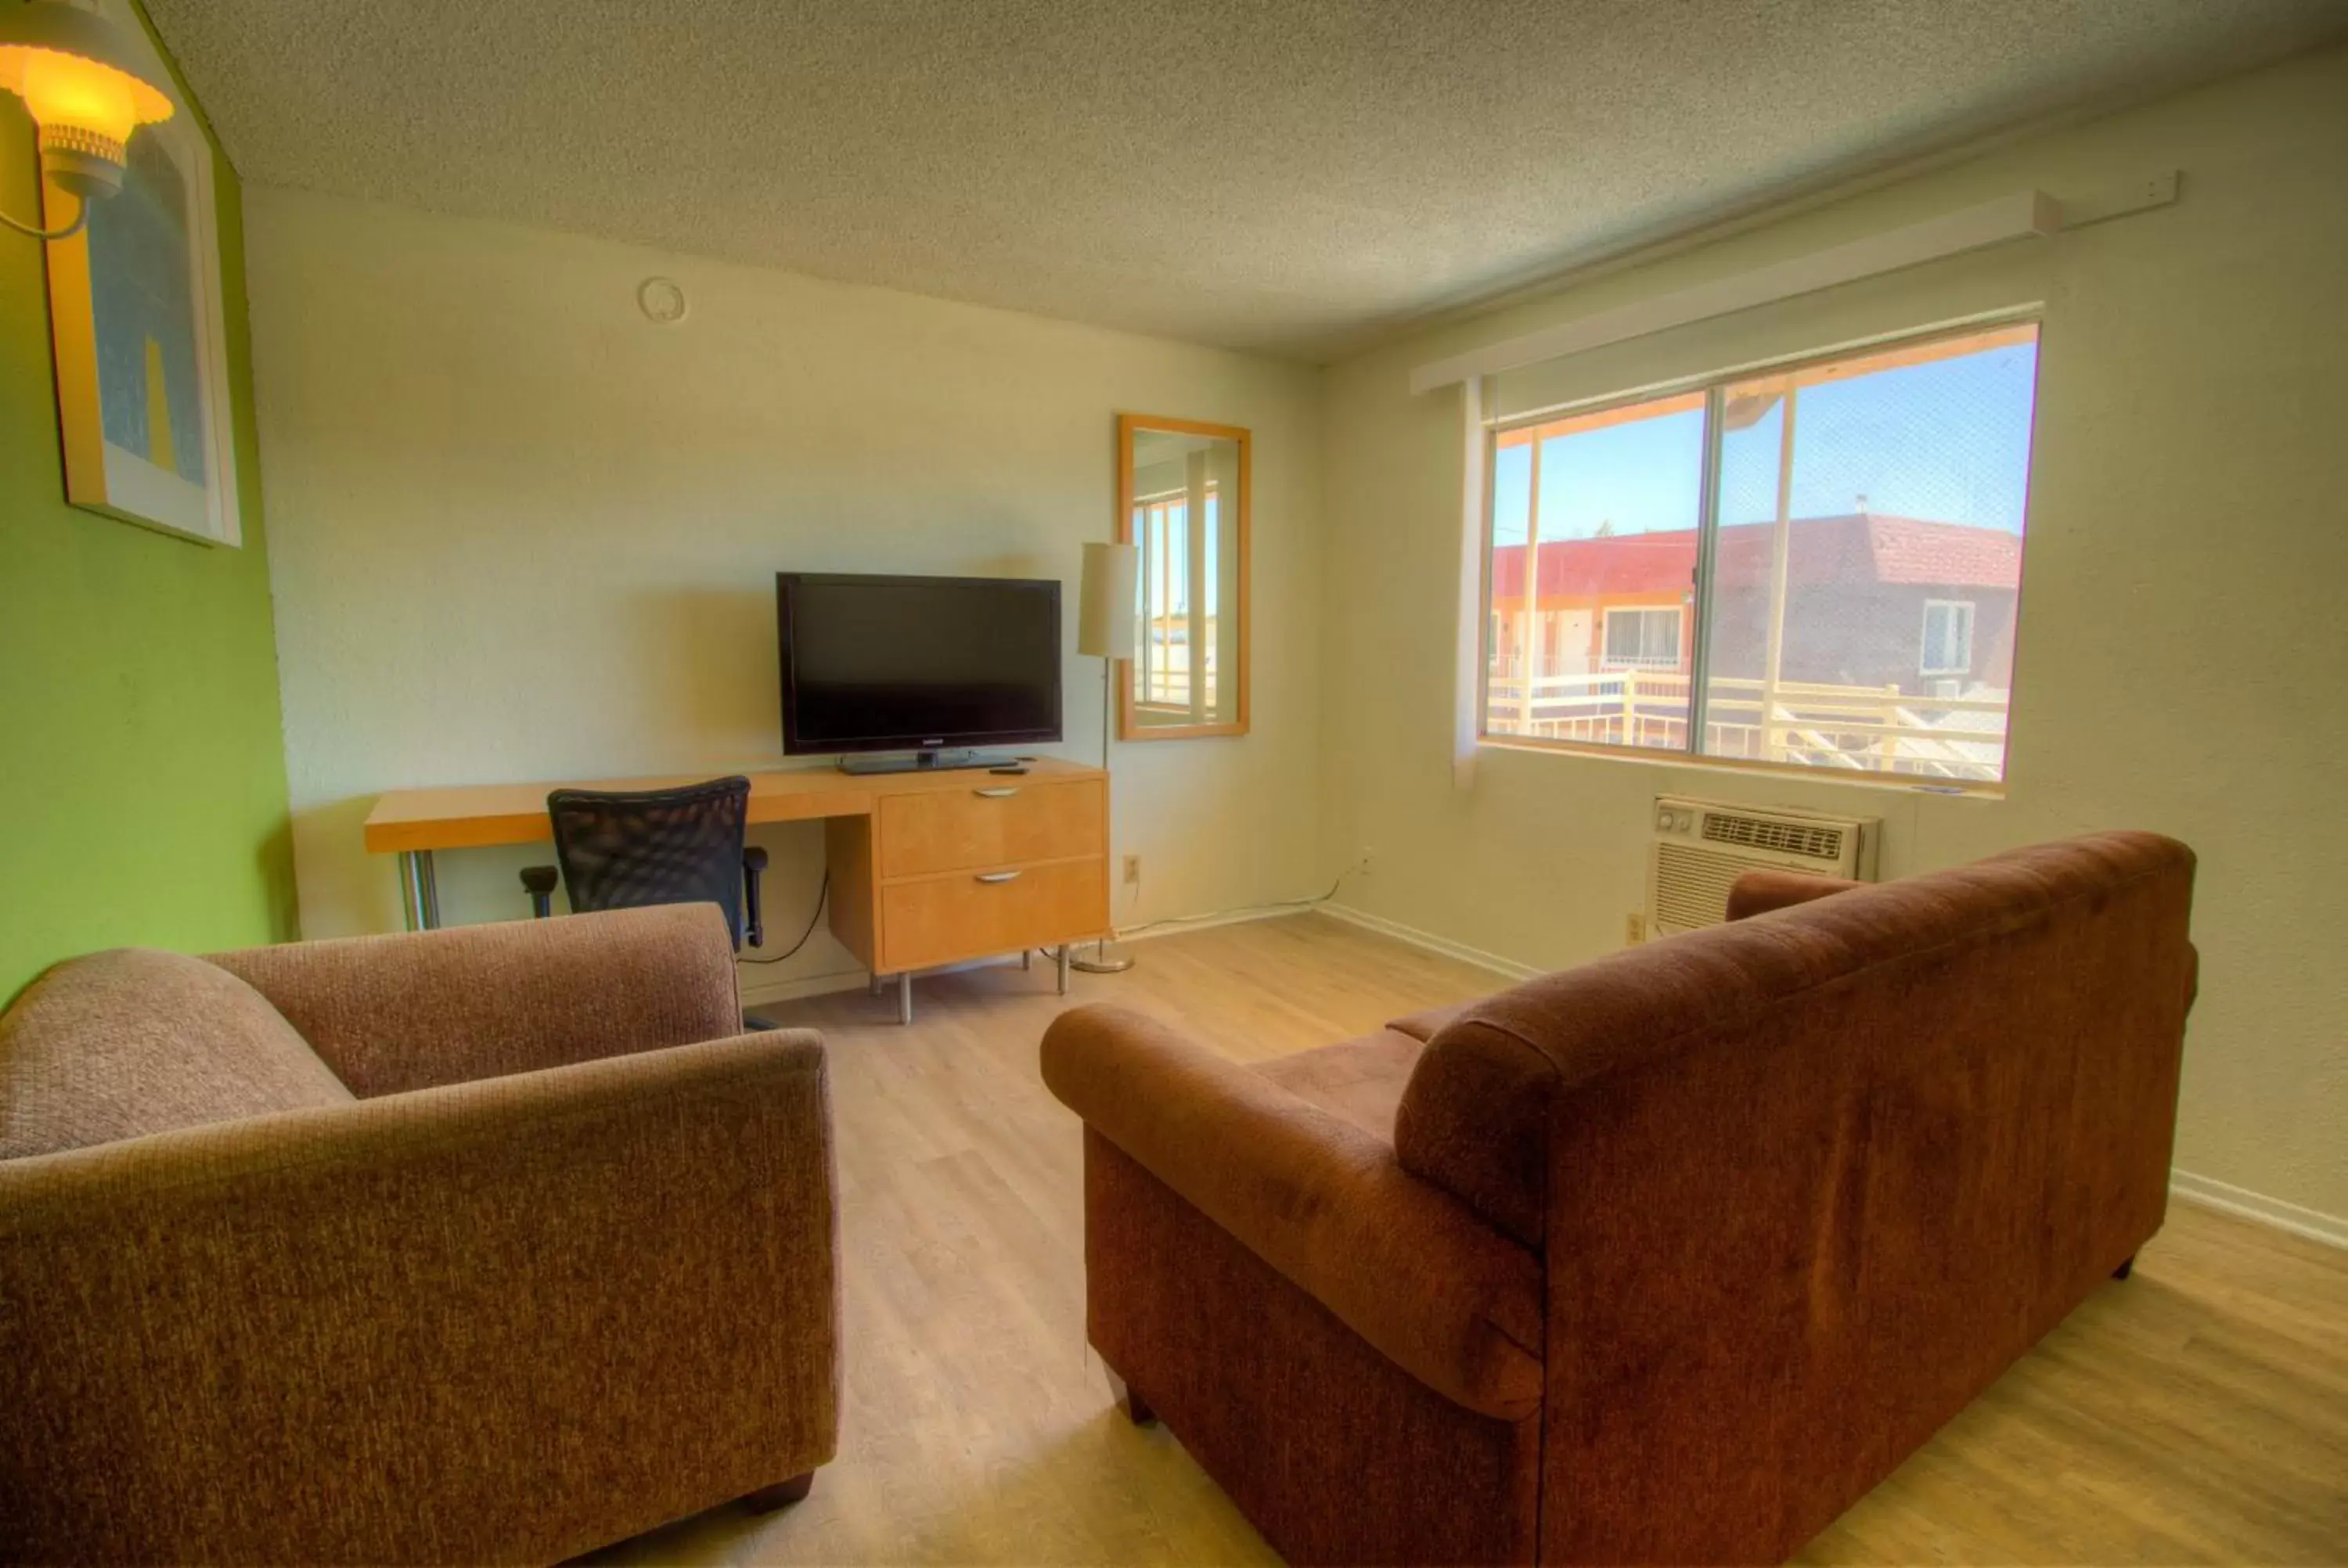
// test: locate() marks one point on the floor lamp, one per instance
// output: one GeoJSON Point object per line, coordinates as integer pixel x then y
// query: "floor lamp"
{"type": "Point", "coordinates": [1104, 623]}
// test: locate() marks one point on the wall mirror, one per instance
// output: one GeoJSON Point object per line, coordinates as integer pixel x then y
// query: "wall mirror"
{"type": "Point", "coordinates": [1182, 501]}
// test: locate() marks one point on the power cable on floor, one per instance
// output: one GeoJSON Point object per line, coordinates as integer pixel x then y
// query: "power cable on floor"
{"type": "Point", "coordinates": [821, 894]}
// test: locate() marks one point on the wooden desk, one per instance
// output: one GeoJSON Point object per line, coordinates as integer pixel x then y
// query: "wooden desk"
{"type": "Point", "coordinates": [927, 868]}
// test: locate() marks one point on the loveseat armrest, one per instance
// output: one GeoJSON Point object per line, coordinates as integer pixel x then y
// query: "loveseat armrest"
{"type": "Point", "coordinates": [420, 1009]}
{"type": "Point", "coordinates": [1759, 892]}
{"type": "Point", "coordinates": [1400, 1263]}
{"type": "Point", "coordinates": [511, 1319]}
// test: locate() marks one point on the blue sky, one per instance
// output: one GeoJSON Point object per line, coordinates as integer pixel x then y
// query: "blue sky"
{"type": "Point", "coordinates": [1948, 440]}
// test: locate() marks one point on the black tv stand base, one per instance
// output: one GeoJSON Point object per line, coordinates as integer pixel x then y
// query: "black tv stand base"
{"type": "Point", "coordinates": [925, 762]}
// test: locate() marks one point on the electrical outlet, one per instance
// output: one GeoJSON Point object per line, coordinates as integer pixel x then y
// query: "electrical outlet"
{"type": "Point", "coordinates": [1634, 928]}
{"type": "Point", "coordinates": [1368, 862]}
{"type": "Point", "coordinates": [1133, 871]}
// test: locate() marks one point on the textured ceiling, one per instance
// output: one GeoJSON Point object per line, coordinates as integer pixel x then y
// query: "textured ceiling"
{"type": "Point", "coordinates": [1292, 176]}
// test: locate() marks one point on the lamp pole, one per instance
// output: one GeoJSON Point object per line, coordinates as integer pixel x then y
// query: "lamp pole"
{"type": "Point", "coordinates": [1105, 626]}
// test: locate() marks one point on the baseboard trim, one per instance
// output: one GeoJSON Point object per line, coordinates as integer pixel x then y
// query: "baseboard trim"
{"type": "Point", "coordinates": [1430, 941]}
{"type": "Point", "coordinates": [2204, 1192]}
{"type": "Point", "coordinates": [1175, 925]}
{"type": "Point", "coordinates": [757, 989]}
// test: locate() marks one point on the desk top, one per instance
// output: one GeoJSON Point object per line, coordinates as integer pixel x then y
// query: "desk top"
{"type": "Point", "coordinates": [473, 817]}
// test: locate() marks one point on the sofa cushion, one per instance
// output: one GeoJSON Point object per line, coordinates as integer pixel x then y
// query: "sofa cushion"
{"type": "Point", "coordinates": [124, 1043]}
{"type": "Point", "coordinates": [1357, 1081]}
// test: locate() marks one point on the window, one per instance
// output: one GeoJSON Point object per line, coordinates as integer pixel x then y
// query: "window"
{"type": "Point", "coordinates": [1948, 638]}
{"type": "Point", "coordinates": [1643, 639]}
{"type": "Point", "coordinates": [1738, 569]}
{"type": "Point", "coordinates": [1167, 660]}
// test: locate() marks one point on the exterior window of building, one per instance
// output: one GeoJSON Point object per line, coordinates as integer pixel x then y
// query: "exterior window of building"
{"type": "Point", "coordinates": [1948, 638]}
{"type": "Point", "coordinates": [1643, 639]}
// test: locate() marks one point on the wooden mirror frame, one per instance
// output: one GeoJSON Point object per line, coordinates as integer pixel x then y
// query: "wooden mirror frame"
{"type": "Point", "coordinates": [1127, 426]}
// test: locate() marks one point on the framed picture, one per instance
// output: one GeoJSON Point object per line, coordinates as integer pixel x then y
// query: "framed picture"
{"type": "Point", "coordinates": [141, 331]}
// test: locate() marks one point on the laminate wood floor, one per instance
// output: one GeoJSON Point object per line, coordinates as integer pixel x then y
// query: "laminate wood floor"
{"type": "Point", "coordinates": [2196, 1413]}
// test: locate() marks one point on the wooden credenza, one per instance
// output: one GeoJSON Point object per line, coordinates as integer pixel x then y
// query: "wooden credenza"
{"type": "Point", "coordinates": [927, 868]}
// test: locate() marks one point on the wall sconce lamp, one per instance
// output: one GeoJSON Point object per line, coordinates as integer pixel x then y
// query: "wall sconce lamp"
{"type": "Point", "coordinates": [72, 69]}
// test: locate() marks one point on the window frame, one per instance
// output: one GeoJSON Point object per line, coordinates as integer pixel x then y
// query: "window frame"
{"type": "Point", "coordinates": [1713, 386]}
{"type": "Point", "coordinates": [1924, 649]}
{"type": "Point", "coordinates": [1608, 664]}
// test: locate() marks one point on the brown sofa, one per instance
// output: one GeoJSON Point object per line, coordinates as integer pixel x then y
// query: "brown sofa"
{"type": "Point", "coordinates": [478, 1244]}
{"type": "Point", "coordinates": [1666, 1258]}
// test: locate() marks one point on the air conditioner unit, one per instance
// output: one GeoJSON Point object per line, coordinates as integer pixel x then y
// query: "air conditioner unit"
{"type": "Point", "coordinates": [1701, 846]}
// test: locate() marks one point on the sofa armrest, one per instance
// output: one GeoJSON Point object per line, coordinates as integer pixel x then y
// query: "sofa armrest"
{"type": "Point", "coordinates": [1399, 1262]}
{"type": "Point", "coordinates": [420, 1009]}
{"type": "Point", "coordinates": [1759, 892]}
{"type": "Point", "coordinates": [508, 1319]}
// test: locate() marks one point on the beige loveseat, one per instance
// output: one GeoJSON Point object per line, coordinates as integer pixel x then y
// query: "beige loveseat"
{"type": "Point", "coordinates": [490, 1244]}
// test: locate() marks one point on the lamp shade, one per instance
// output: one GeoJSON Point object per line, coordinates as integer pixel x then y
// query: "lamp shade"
{"type": "Point", "coordinates": [75, 72]}
{"type": "Point", "coordinates": [1104, 606]}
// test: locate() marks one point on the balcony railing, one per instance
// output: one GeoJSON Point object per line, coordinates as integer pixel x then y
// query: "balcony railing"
{"type": "Point", "coordinates": [1871, 729]}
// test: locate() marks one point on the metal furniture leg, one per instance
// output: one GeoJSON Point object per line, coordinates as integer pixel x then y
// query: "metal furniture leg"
{"type": "Point", "coordinates": [876, 982]}
{"type": "Point", "coordinates": [1064, 969]}
{"type": "Point", "coordinates": [905, 996]}
{"type": "Point", "coordinates": [419, 890]}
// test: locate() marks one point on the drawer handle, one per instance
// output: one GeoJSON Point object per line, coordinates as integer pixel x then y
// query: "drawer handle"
{"type": "Point", "coordinates": [1005, 792]}
{"type": "Point", "coordinates": [998, 875]}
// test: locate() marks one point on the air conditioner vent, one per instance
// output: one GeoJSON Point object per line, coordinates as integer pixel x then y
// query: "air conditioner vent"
{"type": "Point", "coordinates": [1819, 843]}
{"type": "Point", "coordinates": [1701, 846]}
{"type": "Point", "coordinates": [1692, 886]}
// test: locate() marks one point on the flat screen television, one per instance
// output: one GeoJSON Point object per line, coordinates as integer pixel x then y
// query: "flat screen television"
{"type": "Point", "coordinates": [923, 664]}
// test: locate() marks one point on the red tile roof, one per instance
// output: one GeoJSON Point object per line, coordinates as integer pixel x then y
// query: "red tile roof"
{"type": "Point", "coordinates": [1602, 568]}
{"type": "Point", "coordinates": [1855, 549]}
{"type": "Point", "coordinates": [1910, 550]}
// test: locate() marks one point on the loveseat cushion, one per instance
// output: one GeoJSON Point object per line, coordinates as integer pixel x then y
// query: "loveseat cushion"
{"type": "Point", "coordinates": [124, 1043]}
{"type": "Point", "coordinates": [1358, 1080]}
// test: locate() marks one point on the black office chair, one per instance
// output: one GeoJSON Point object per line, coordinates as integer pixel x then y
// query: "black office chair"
{"type": "Point", "coordinates": [622, 849]}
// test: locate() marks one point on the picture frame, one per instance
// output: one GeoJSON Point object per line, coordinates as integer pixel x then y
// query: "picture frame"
{"type": "Point", "coordinates": [139, 326]}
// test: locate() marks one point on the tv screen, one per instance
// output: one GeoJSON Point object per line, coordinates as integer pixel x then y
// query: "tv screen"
{"type": "Point", "coordinates": [888, 663]}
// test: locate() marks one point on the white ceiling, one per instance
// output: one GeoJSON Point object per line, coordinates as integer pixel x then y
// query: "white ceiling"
{"type": "Point", "coordinates": [1292, 176]}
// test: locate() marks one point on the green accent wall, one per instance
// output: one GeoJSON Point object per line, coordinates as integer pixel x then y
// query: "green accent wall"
{"type": "Point", "coordinates": [142, 764]}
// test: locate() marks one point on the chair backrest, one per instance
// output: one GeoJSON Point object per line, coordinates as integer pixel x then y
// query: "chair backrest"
{"type": "Point", "coordinates": [624, 849]}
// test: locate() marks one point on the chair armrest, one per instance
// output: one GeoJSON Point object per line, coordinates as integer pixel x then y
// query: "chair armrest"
{"type": "Point", "coordinates": [1759, 892]}
{"type": "Point", "coordinates": [508, 1319]}
{"type": "Point", "coordinates": [394, 1013]}
{"type": "Point", "coordinates": [1399, 1262]}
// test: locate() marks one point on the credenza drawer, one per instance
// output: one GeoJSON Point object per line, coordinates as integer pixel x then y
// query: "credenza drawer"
{"type": "Point", "coordinates": [994, 821]}
{"type": "Point", "coordinates": [969, 915]}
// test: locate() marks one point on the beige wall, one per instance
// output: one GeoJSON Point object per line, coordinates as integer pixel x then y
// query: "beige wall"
{"type": "Point", "coordinates": [521, 533]}
{"type": "Point", "coordinates": [2183, 662]}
